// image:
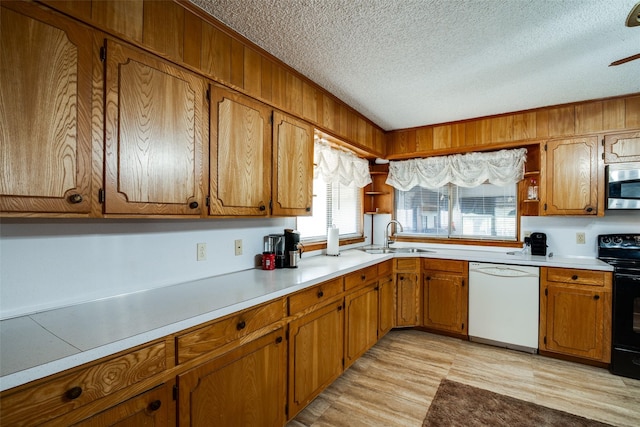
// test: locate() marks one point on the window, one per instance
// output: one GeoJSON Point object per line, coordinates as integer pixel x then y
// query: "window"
{"type": "Point", "coordinates": [484, 212]}
{"type": "Point", "coordinates": [333, 204]}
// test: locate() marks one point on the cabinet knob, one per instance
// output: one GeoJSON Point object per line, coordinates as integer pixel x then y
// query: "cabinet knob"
{"type": "Point", "coordinates": [262, 207]}
{"type": "Point", "coordinates": [75, 198]}
{"type": "Point", "coordinates": [241, 325]}
{"type": "Point", "coordinates": [596, 297]}
{"type": "Point", "coordinates": [320, 294]}
{"type": "Point", "coordinates": [589, 209]}
{"type": "Point", "coordinates": [155, 405]}
{"type": "Point", "coordinates": [363, 277]}
{"type": "Point", "coordinates": [73, 393]}
{"type": "Point", "coordinates": [574, 277]}
{"type": "Point", "coordinates": [278, 340]}
{"type": "Point", "coordinates": [401, 277]}
{"type": "Point", "coordinates": [193, 205]}
{"type": "Point", "coordinates": [308, 209]}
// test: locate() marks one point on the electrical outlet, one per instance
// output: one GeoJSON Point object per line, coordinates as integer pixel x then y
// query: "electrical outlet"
{"type": "Point", "coordinates": [202, 251]}
{"type": "Point", "coordinates": [580, 238]}
{"type": "Point", "coordinates": [527, 234]}
{"type": "Point", "coordinates": [238, 246]}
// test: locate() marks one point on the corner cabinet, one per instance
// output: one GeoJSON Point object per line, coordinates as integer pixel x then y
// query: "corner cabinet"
{"type": "Point", "coordinates": [361, 313]}
{"type": "Point", "coordinates": [570, 177]}
{"type": "Point", "coordinates": [575, 313]}
{"type": "Point", "coordinates": [154, 126]}
{"type": "Point", "coordinates": [45, 123]}
{"type": "Point", "coordinates": [408, 291]}
{"type": "Point", "coordinates": [256, 168]}
{"type": "Point", "coordinates": [445, 295]}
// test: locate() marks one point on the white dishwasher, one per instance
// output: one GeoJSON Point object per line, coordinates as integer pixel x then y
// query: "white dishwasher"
{"type": "Point", "coordinates": [504, 305]}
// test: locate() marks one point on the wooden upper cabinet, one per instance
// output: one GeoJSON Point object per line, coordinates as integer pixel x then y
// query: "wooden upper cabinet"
{"type": "Point", "coordinates": [570, 177]}
{"type": "Point", "coordinates": [45, 123]}
{"type": "Point", "coordinates": [154, 127]}
{"type": "Point", "coordinates": [622, 147]}
{"type": "Point", "coordinates": [292, 166]}
{"type": "Point", "coordinates": [240, 155]}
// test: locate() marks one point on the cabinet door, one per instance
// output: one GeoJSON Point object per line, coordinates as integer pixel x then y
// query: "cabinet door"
{"type": "Point", "coordinates": [622, 147]}
{"type": "Point", "coordinates": [407, 289]}
{"type": "Point", "coordinates": [571, 177]}
{"type": "Point", "coordinates": [387, 305]}
{"type": "Point", "coordinates": [45, 105]}
{"type": "Point", "coordinates": [444, 302]}
{"type": "Point", "coordinates": [292, 166]}
{"type": "Point", "coordinates": [240, 157]}
{"type": "Point", "coordinates": [315, 354]}
{"type": "Point", "coordinates": [153, 135]}
{"type": "Point", "coordinates": [150, 409]}
{"type": "Point", "coordinates": [575, 323]}
{"type": "Point", "coordinates": [245, 387]}
{"type": "Point", "coordinates": [361, 322]}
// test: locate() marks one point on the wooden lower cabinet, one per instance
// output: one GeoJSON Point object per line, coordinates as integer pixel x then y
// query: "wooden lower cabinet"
{"type": "Point", "coordinates": [244, 387]}
{"type": "Point", "coordinates": [445, 295]}
{"type": "Point", "coordinates": [150, 409]}
{"type": "Point", "coordinates": [408, 291]}
{"type": "Point", "coordinates": [361, 322]}
{"type": "Point", "coordinates": [316, 351]}
{"type": "Point", "coordinates": [575, 313]}
{"type": "Point", "coordinates": [386, 304]}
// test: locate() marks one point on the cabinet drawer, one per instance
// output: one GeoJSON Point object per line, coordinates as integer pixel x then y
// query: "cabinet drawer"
{"type": "Point", "coordinates": [315, 295]}
{"type": "Point", "coordinates": [580, 277]}
{"type": "Point", "coordinates": [407, 264]}
{"type": "Point", "coordinates": [63, 394]}
{"type": "Point", "coordinates": [454, 266]}
{"type": "Point", "coordinates": [385, 267]}
{"type": "Point", "coordinates": [360, 277]}
{"type": "Point", "coordinates": [214, 335]}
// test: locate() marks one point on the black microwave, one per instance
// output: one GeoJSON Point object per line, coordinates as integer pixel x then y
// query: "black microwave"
{"type": "Point", "coordinates": [623, 186]}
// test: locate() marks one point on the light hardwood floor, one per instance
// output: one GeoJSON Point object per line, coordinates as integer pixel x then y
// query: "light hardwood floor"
{"type": "Point", "coordinates": [394, 382]}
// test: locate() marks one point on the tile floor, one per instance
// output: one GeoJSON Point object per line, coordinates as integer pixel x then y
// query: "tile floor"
{"type": "Point", "coordinates": [394, 382]}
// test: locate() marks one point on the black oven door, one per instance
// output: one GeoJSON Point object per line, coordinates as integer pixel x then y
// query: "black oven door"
{"type": "Point", "coordinates": [626, 311]}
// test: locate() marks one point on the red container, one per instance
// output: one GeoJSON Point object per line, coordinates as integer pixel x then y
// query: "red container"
{"type": "Point", "coordinates": [268, 261]}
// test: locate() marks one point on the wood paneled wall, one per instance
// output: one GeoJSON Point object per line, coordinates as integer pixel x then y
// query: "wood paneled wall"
{"type": "Point", "coordinates": [591, 117]}
{"type": "Point", "coordinates": [181, 32]}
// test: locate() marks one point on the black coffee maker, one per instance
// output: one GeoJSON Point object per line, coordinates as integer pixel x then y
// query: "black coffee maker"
{"type": "Point", "coordinates": [291, 245]}
{"type": "Point", "coordinates": [538, 244]}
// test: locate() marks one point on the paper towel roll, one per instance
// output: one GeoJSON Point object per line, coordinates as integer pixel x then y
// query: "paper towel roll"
{"type": "Point", "coordinates": [333, 241]}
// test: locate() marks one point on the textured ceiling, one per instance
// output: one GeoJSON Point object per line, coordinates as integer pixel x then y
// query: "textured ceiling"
{"type": "Point", "coordinates": [406, 63]}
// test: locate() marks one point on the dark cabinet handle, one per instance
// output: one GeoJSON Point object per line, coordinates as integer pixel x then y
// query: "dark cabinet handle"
{"type": "Point", "coordinates": [75, 198]}
{"type": "Point", "coordinates": [73, 393]}
{"type": "Point", "coordinates": [308, 209]}
{"type": "Point", "coordinates": [262, 207]}
{"type": "Point", "coordinates": [241, 325]}
{"type": "Point", "coordinates": [401, 277]}
{"type": "Point", "coordinates": [340, 308]}
{"type": "Point", "coordinates": [193, 205]}
{"type": "Point", "coordinates": [428, 278]}
{"type": "Point", "coordinates": [320, 294]}
{"type": "Point", "coordinates": [596, 297]}
{"type": "Point", "coordinates": [574, 277]}
{"type": "Point", "coordinates": [589, 209]}
{"type": "Point", "coordinates": [278, 340]}
{"type": "Point", "coordinates": [363, 277]}
{"type": "Point", "coordinates": [155, 405]}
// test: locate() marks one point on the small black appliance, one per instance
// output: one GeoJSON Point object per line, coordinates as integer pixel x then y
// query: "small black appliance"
{"type": "Point", "coordinates": [291, 244]}
{"type": "Point", "coordinates": [538, 244]}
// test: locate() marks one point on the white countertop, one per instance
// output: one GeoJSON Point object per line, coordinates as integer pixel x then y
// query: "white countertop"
{"type": "Point", "coordinates": [42, 344]}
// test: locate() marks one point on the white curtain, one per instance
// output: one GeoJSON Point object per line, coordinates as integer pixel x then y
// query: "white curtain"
{"type": "Point", "coordinates": [340, 166]}
{"type": "Point", "coordinates": [465, 170]}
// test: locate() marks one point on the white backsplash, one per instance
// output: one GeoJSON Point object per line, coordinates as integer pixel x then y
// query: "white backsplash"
{"type": "Point", "coordinates": [51, 263]}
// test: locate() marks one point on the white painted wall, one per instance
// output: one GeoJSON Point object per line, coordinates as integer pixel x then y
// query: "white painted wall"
{"type": "Point", "coordinates": [52, 263]}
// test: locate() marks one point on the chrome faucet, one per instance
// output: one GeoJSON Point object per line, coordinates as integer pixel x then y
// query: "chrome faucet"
{"type": "Point", "coordinates": [387, 241]}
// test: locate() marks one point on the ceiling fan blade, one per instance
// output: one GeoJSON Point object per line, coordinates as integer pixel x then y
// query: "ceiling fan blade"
{"type": "Point", "coordinates": [623, 60]}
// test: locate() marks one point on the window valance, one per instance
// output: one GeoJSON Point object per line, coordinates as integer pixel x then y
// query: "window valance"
{"type": "Point", "coordinates": [335, 165]}
{"type": "Point", "coordinates": [465, 170]}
